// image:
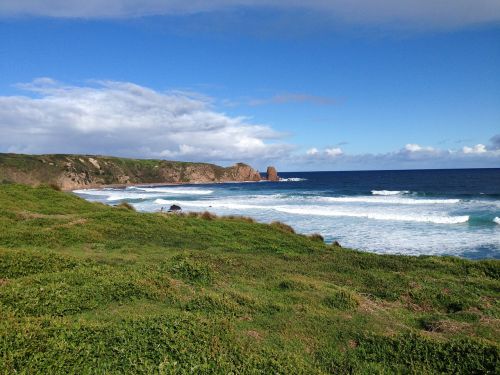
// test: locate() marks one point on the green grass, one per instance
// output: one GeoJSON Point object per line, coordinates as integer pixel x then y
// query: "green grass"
{"type": "Point", "coordinates": [88, 288]}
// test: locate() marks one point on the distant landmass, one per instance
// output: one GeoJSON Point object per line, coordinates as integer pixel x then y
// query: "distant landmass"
{"type": "Point", "coordinates": [70, 172]}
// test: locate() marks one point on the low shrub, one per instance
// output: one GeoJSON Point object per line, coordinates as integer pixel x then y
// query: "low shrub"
{"type": "Point", "coordinates": [412, 353]}
{"type": "Point", "coordinates": [240, 218]}
{"type": "Point", "coordinates": [282, 227]}
{"type": "Point", "coordinates": [192, 271]}
{"type": "Point", "coordinates": [316, 237]}
{"type": "Point", "coordinates": [125, 206]}
{"type": "Point", "coordinates": [341, 300]}
{"type": "Point", "coordinates": [208, 216]}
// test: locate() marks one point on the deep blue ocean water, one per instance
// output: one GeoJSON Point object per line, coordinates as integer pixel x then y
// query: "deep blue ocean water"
{"type": "Point", "coordinates": [416, 212]}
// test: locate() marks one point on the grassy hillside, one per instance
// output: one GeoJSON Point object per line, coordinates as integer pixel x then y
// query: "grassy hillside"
{"type": "Point", "coordinates": [87, 288]}
{"type": "Point", "coordinates": [76, 171]}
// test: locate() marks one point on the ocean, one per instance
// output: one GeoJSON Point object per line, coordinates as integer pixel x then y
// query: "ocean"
{"type": "Point", "coordinates": [412, 212]}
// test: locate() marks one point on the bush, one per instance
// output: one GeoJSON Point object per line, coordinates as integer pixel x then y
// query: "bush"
{"type": "Point", "coordinates": [282, 227]}
{"type": "Point", "coordinates": [316, 237]}
{"type": "Point", "coordinates": [126, 206]}
{"type": "Point", "coordinates": [192, 271]}
{"type": "Point", "coordinates": [416, 354]}
{"type": "Point", "coordinates": [341, 300]}
{"type": "Point", "coordinates": [208, 216]}
{"type": "Point", "coordinates": [286, 284]}
{"type": "Point", "coordinates": [240, 218]}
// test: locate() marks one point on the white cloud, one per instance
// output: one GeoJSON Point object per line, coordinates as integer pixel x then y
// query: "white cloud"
{"type": "Point", "coordinates": [412, 147]}
{"type": "Point", "coordinates": [477, 149]}
{"type": "Point", "coordinates": [411, 156]}
{"type": "Point", "coordinates": [122, 118]}
{"type": "Point", "coordinates": [336, 151]}
{"type": "Point", "coordinates": [125, 119]}
{"type": "Point", "coordinates": [315, 154]}
{"type": "Point", "coordinates": [419, 13]}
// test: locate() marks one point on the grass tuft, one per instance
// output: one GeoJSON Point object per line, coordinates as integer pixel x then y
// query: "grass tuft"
{"type": "Point", "coordinates": [125, 206]}
{"type": "Point", "coordinates": [282, 227]}
{"type": "Point", "coordinates": [208, 215]}
{"type": "Point", "coordinates": [341, 300]}
{"type": "Point", "coordinates": [316, 237]}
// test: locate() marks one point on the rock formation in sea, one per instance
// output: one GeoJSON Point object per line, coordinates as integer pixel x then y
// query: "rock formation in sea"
{"type": "Point", "coordinates": [272, 175]}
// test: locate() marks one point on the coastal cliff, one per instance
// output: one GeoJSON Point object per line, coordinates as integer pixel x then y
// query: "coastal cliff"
{"type": "Point", "coordinates": [70, 172]}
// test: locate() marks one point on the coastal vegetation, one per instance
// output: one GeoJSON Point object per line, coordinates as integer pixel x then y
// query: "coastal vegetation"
{"type": "Point", "coordinates": [90, 288]}
{"type": "Point", "coordinates": [69, 172]}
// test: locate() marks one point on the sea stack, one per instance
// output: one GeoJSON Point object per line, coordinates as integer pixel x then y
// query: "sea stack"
{"type": "Point", "coordinates": [272, 175]}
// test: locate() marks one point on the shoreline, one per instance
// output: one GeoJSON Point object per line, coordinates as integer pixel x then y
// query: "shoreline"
{"type": "Point", "coordinates": [332, 228]}
{"type": "Point", "coordinates": [160, 184]}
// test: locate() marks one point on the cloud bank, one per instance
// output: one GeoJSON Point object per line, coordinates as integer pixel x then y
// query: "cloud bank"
{"type": "Point", "coordinates": [121, 118]}
{"type": "Point", "coordinates": [411, 156]}
{"type": "Point", "coordinates": [419, 13]}
{"type": "Point", "coordinates": [125, 119]}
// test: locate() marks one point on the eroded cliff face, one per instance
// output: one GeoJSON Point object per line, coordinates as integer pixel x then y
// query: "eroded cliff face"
{"type": "Point", "coordinates": [70, 172]}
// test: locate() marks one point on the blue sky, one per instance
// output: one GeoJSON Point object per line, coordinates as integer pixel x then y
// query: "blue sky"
{"type": "Point", "coordinates": [323, 87]}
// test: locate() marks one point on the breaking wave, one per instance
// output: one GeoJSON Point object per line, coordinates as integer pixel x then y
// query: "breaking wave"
{"type": "Point", "coordinates": [321, 211]}
{"type": "Point", "coordinates": [174, 190]}
{"type": "Point", "coordinates": [389, 192]}
{"type": "Point", "coordinates": [389, 200]}
{"type": "Point", "coordinates": [497, 220]}
{"type": "Point", "coordinates": [141, 192]}
{"type": "Point", "coordinates": [293, 179]}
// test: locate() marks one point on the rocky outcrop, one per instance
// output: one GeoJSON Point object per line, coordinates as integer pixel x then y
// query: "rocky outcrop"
{"type": "Point", "coordinates": [241, 172]}
{"type": "Point", "coordinates": [174, 208]}
{"type": "Point", "coordinates": [272, 175]}
{"type": "Point", "coordinates": [71, 172]}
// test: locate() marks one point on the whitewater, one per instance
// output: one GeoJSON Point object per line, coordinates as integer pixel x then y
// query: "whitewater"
{"type": "Point", "coordinates": [362, 211]}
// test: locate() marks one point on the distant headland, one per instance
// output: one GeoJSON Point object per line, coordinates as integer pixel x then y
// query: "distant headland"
{"type": "Point", "coordinates": [69, 172]}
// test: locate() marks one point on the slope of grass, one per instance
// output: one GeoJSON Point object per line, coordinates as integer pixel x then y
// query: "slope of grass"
{"type": "Point", "coordinates": [87, 288]}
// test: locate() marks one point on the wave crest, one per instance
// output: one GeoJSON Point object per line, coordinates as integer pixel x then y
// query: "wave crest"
{"type": "Point", "coordinates": [389, 192]}
{"type": "Point", "coordinates": [389, 200]}
{"type": "Point", "coordinates": [173, 190]}
{"type": "Point", "coordinates": [292, 179]}
{"type": "Point", "coordinates": [376, 215]}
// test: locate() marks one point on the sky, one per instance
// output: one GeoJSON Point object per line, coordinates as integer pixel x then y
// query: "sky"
{"type": "Point", "coordinates": [330, 85]}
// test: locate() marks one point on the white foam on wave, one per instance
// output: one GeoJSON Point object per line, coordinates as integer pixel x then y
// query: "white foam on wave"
{"type": "Point", "coordinates": [322, 211]}
{"type": "Point", "coordinates": [388, 200]}
{"type": "Point", "coordinates": [318, 211]}
{"type": "Point", "coordinates": [141, 192]}
{"type": "Point", "coordinates": [389, 192]}
{"type": "Point", "coordinates": [210, 204]}
{"type": "Point", "coordinates": [497, 220]}
{"type": "Point", "coordinates": [174, 190]}
{"type": "Point", "coordinates": [113, 195]}
{"type": "Point", "coordinates": [292, 179]}
{"type": "Point", "coordinates": [92, 191]}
